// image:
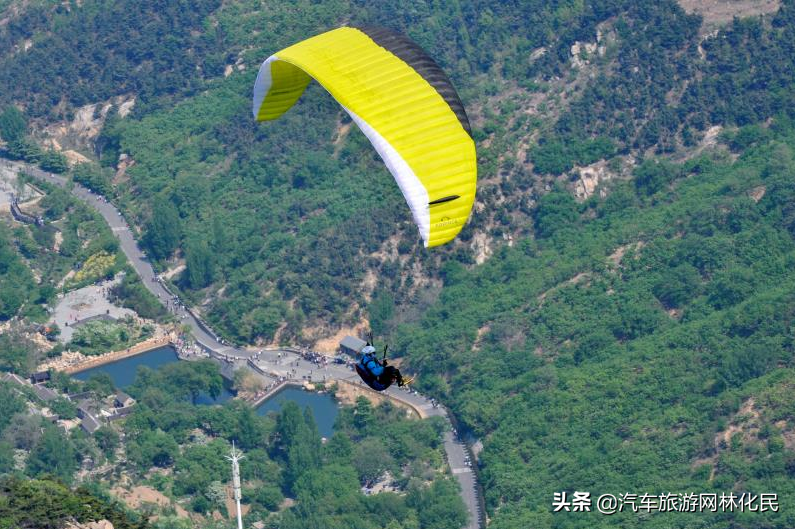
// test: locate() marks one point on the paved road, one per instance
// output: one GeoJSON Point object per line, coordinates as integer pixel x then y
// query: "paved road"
{"type": "Point", "coordinates": [280, 361]}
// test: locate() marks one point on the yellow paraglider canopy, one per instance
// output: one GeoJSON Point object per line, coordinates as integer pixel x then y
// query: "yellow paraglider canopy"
{"type": "Point", "coordinates": [404, 104]}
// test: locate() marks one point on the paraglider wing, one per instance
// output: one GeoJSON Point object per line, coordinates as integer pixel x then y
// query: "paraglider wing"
{"type": "Point", "coordinates": [404, 104]}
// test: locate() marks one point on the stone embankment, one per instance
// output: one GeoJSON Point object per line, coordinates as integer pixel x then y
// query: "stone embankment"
{"type": "Point", "coordinates": [73, 362]}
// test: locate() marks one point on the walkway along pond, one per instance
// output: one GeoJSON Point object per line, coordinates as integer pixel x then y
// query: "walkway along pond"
{"type": "Point", "coordinates": [230, 356]}
{"type": "Point", "coordinates": [123, 372]}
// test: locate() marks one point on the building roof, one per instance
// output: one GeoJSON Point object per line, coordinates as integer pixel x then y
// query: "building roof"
{"type": "Point", "coordinates": [11, 377]}
{"type": "Point", "coordinates": [90, 424]}
{"type": "Point", "coordinates": [124, 399]}
{"type": "Point", "coordinates": [44, 393]}
{"type": "Point", "coordinates": [40, 376]}
{"type": "Point", "coordinates": [352, 343]}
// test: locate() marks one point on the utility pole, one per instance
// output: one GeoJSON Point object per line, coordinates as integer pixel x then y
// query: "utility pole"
{"type": "Point", "coordinates": [234, 458]}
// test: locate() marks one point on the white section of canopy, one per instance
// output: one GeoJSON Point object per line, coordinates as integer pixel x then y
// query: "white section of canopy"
{"type": "Point", "coordinates": [263, 84]}
{"type": "Point", "coordinates": [415, 193]}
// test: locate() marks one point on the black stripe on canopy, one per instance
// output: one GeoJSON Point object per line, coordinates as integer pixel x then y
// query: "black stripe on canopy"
{"type": "Point", "coordinates": [411, 53]}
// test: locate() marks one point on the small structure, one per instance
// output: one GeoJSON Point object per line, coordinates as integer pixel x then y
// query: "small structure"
{"type": "Point", "coordinates": [87, 407]}
{"type": "Point", "coordinates": [96, 317]}
{"type": "Point", "coordinates": [16, 379]}
{"type": "Point", "coordinates": [81, 396]}
{"type": "Point", "coordinates": [352, 345]}
{"type": "Point", "coordinates": [44, 393]}
{"type": "Point", "coordinates": [90, 424]}
{"type": "Point", "coordinates": [123, 400]}
{"type": "Point", "coordinates": [22, 217]}
{"type": "Point", "coordinates": [120, 413]}
{"type": "Point", "coordinates": [39, 377]}
{"type": "Point", "coordinates": [87, 412]}
{"type": "Point", "coordinates": [234, 458]}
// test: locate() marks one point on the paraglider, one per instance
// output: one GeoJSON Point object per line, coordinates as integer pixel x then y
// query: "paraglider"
{"type": "Point", "coordinates": [379, 375]}
{"type": "Point", "coordinates": [402, 101]}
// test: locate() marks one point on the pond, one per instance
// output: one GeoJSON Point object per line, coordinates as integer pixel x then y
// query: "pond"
{"type": "Point", "coordinates": [123, 371]}
{"type": "Point", "coordinates": [323, 405]}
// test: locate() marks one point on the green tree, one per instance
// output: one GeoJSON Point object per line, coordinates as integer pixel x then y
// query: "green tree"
{"type": "Point", "coordinates": [162, 232]}
{"type": "Point", "coordinates": [191, 379]}
{"type": "Point", "coordinates": [16, 354]}
{"type": "Point", "coordinates": [653, 175]}
{"type": "Point", "coordinates": [6, 457]}
{"type": "Point", "coordinates": [381, 309]}
{"type": "Point", "coordinates": [152, 448]}
{"type": "Point", "coordinates": [371, 459]}
{"type": "Point", "coordinates": [200, 263]}
{"type": "Point", "coordinates": [556, 210]}
{"type": "Point", "coordinates": [53, 161]}
{"type": "Point", "coordinates": [437, 506]}
{"type": "Point", "coordinates": [53, 454]}
{"type": "Point", "coordinates": [108, 440]}
{"type": "Point", "coordinates": [13, 125]}
{"type": "Point", "coordinates": [63, 408]}
{"type": "Point", "coordinates": [678, 285]}
{"type": "Point", "coordinates": [93, 178]}
{"type": "Point", "coordinates": [101, 384]}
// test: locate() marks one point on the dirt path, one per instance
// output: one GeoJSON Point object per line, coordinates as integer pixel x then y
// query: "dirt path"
{"type": "Point", "coordinates": [141, 495]}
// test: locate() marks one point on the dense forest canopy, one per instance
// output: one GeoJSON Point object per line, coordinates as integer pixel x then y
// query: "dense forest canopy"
{"type": "Point", "coordinates": [261, 224]}
{"type": "Point", "coordinates": [629, 335]}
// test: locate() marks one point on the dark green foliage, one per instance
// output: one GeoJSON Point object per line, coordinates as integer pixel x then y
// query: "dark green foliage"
{"type": "Point", "coordinates": [107, 144]}
{"type": "Point", "coordinates": [200, 465]}
{"type": "Point", "coordinates": [132, 293]}
{"type": "Point", "coordinates": [296, 443]}
{"type": "Point", "coordinates": [200, 263]}
{"type": "Point", "coordinates": [53, 162]}
{"type": "Point", "coordinates": [436, 505]}
{"type": "Point", "coordinates": [653, 175]}
{"type": "Point", "coordinates": [107, 48]}
{"type": "Point", "coordinates": [678, 285]}
{"type": "Point", "coordinates": [107, 440]}
{"type": "Point", "coordinates": [55, 203]}
{"type": "Point", "coordinates": [94, 178]}
{"type": "Point", "coordinates": [267, 497]}
{"type": "Point", "coordinates": [17, 353]}
{"type": "Point", "coordinates": [16, 282]}
{"type": "Point", "coordinates": [63, 408]}
{"type": "Point", "coordinates": [585, 380]}
{"type": "Point", "coordinates": [47, 504]}
{"type": "Point", "coordinates": [745, 137]}
{"type": "Point", "coordinates": [381, 309]}
{"type": "Point", "coordinates": [63, 383]}
{"type": "Point", "coordinates": [13, 125]}
{"type": "Point", "coordinates": [6, 457]}
{"type": "Point", "coordinates": [152, 448]}
{"type": "Point", "coordinates": [101, 384]}
{"type": "Point", "coordinates": [162, 232]}
{"type": "Point", "coordinates": [371, 459]}
{"type": "Point", "coordinates": [556, 157]}
{"type": "Point", "coordinates": [53, 455]}
{"type": "Point", "coordinates": [10, 404]}
{"type": "Point", "coordinates": [556, 211]}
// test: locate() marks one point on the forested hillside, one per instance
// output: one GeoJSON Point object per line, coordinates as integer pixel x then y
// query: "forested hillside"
{"type": "Point", "coordinates": [618, 315]}
{"type": "Point", "coordinates": [258, 226]}
{"type": "Point", "coordinates": [644, 344]}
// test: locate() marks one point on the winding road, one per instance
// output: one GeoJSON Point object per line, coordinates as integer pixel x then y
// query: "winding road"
{"type": "Point", "coordinates": [272, 360]}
